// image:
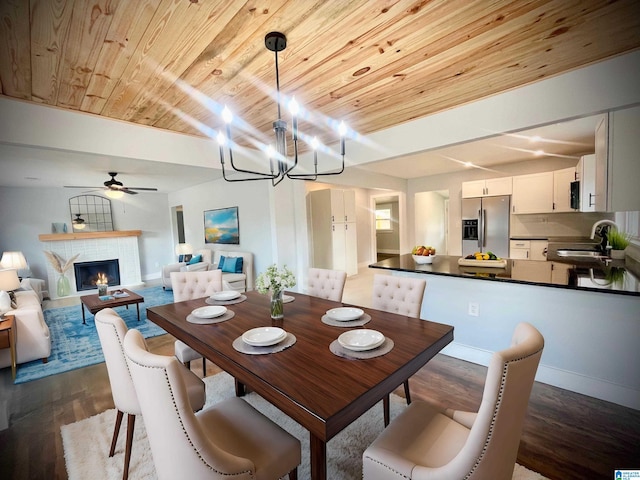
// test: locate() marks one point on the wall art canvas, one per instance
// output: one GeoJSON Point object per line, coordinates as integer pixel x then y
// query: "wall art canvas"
{"type": "Point", "coordinates": [221, 226]}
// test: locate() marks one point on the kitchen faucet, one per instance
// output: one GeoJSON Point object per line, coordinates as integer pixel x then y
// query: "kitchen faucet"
{"type": "Point", "coordinates": [601, 227]}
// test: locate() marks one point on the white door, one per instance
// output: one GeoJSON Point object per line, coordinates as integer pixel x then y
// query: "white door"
{"type": "Point", "coordinates": [338, 239]}
{"type": "Point", "coordinates": [351, 248]}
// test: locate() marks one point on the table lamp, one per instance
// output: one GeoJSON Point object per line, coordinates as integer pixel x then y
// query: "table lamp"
{"type": "Point", "coordinates": [14, 260]}
{"type": "Point", "coordinates": [184, 251]}
{"type": "Point", "coordinates": [8, 283]}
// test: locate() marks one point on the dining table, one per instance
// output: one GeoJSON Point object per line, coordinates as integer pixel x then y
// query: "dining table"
{"type": "Point", "coordinates": [313, 381]}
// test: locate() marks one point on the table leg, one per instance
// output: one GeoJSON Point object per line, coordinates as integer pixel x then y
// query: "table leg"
{"type": "Point", "coordinates": [12, 349]}
{"type": "Point", "coordinates": [318, 450]}
{"type": "Point", "coordinates": [83, 320]}
{"type": "Point", "coordinates": [138, 309]}
{"type": "Point", "coordinates": [241, 389]}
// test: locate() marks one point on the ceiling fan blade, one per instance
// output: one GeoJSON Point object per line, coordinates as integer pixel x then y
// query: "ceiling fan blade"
{"type": "Point", "coordinates": [78, 186]}
{"type": "Point", "coordinates": [126, 190]}
{"type": "Point", "coordinates": [143, 188]}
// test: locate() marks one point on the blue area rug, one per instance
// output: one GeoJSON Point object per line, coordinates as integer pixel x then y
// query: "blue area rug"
{"type": "Point", "coordinates": [74, 345]}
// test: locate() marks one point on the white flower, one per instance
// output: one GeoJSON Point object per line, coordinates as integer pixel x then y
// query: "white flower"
{"type": "Point", "coordinates": [275, 280]}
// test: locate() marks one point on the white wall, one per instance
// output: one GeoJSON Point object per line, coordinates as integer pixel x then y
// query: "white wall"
{"type": "Point", "coordinates": [430, 220]}
{"type": "Point", "coordinates": [26, 213]}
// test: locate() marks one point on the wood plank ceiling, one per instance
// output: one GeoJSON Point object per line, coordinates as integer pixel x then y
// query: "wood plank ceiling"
{"type": "Point", "coordinates": [172, 64]}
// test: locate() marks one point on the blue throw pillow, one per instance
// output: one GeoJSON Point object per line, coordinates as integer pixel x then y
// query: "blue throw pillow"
{"type": "Point", "coordinates": [196, 259]}
{"type": "Point", "coordinates": [221, 262]}
{"type": "Point", "coordinates": [232, 265]}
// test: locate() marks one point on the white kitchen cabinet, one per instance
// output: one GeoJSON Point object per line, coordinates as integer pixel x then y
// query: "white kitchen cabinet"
{"type": "Point", "coordinates": [601, 143]}
{"type": "Point", "coordinates": [487, 188]}
{"type": "Point", "coordinates": [334, 240]}
{"type": "Point", "coordinates": [531, 271]}
{"type": "Point", "coordinates": [586, 173]}
{"type": "Point", "coordinates": [528, 249]}
{"type": "Point", "coordinates": [562, 189]}
{"type": "Point", "coordinates": [532, 193]}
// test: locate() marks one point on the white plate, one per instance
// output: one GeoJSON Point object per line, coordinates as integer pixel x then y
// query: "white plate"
{"type": "Point", "coordinates": [344, 314]}
{"type": "Point", "coordinates": [361, 340]}
{"type": "Point", "coordinates": [263, 336]}
{"type": "Point", "coordinates": [225, 295]}
{"type": "Point", "coordinates": [209, 312]}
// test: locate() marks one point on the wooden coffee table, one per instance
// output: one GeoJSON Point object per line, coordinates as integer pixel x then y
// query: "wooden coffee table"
{"type": "Point", "coordinates": [94, 304]}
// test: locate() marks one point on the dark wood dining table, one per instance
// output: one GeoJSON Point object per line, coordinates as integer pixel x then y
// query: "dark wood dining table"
{"type": "Point", "coordinates": [321, 391]}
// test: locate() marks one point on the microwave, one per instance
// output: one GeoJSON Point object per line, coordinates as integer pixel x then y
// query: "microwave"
{"type": "Point", "coordinates": [575, 195]}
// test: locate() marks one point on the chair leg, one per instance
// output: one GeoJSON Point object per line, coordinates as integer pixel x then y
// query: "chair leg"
{"type": "Point", "coordinates": [407, 393]}
{"type": "Point", "coordinates": [188, 365]}
{"type": "Point", "coordinates": [204, 367]}
{"type": "Point", "coordinates": [293, 474]}
{"type": "Point", "coordinates": [385, 407]}
{"type": "Point", "coordinates": [131, 421]}
{"type": "Point", "coordinates": [116, 431]}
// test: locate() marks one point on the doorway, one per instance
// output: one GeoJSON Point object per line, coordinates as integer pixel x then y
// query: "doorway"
{"type": "Point", "coordinates": [177, 220]}
{"type": "Point", "coordinates": [386, 223]}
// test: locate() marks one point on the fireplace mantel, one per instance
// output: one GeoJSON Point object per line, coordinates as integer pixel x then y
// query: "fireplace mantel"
{"type": "Point", "coordinates": [55, 237]}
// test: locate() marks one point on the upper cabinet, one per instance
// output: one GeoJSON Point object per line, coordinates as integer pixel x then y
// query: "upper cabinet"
{"type": "Point", "coordinates": [532, 193]}
{"type": "Point", "coordinates": [586, 173]}
{"type": "Point", "coordinates": [617, 165]}
{"type": "Point", "coordinates": [487, 188]}
{"type": "Point", "coordinates": [562, 189]}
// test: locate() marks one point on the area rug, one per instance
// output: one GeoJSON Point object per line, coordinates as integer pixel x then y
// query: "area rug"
{"type": "Point", "coordinates": [86, 443]}
{"type": "Point", "coordinates": [74, 345]}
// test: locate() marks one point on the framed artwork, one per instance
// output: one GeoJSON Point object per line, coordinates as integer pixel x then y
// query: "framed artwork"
{"type": "Point", "coordinates": [221, 226]}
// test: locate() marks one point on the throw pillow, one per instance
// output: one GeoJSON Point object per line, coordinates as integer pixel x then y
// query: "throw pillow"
{"type": "Point", "coordinates": [232, 265]}
{"type": "Point", "coordinates": [196, 259]}
{"type": "Point", "coordinates": [5, 302]}
{"type": "Point", "coordinates": [221, 262]}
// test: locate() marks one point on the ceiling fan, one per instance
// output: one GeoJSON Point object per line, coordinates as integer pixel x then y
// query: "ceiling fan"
{"type": "Point", "coordinates": [114, 186]}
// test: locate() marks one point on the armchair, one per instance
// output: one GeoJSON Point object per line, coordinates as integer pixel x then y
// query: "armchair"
{"type": "Point", "coordinates": [241, 282]}
{"type": "Point", "coordinates": [204, 264]}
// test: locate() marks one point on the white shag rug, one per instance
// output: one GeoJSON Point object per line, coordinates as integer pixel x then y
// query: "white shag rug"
{"type": "Point", "coordinates": [86, 443]}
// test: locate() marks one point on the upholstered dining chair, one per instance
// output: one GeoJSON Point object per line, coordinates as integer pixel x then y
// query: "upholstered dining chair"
{"type": "Point", "coordinates": [227, 440]}
{"type": "Point", "coordinates": [401, 295]}
{"type": "Point", "coordinates": [324, 283]}
{"type": "Point", "coordinates": [425, 442]}
{"type": "Point", "coordinates": [111, 331]}
{"type": "Point", "coordinates": [187, 286]}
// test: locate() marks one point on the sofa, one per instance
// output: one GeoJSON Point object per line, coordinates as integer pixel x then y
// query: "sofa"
{"type": "Point", "coordinates": [204, 264]}
{"type": "Point", "coordinates": [240, 281]}
{"type": "Point", "coordinates": [33, 340]}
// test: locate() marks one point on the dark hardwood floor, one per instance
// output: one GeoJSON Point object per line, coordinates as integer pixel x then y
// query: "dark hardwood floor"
{"type": "Point", "coordinates": [566, 435]}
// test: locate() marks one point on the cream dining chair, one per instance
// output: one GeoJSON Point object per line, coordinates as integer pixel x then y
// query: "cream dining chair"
{"type": "Point", "coordinates": [227, 440]}
{"type": "Point", "coordinates": [328, 284]}
{"type": "Point", "coordinates": [403, 296]}
{"type": "Point", "coordinates": [425, 442]}
{"type": "Point", "coordinates": [188, 286]}
{"type": "Point", "coordinates": [111, 331]}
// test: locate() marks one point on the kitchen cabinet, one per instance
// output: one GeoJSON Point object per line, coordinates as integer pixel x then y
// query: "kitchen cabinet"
{"type": "Point", "coordinates": [586, 173]}
{"type": "Point", "coordinates": [531, 271]}
{"type": "Point", "coordinates": [491, 187]}
{"type": "Point", "coordinates": [617, 165]}
{"type": "Point", "coordinates": [333, 229]}
{"type": "Point", "coordinates": [528, 249]}
{"type": "Point", "coordinates": [562, 189]}
{"type": "Point", "coordinates": [560, 273]}
{"type": "Point", "coordinates": [532, 193]}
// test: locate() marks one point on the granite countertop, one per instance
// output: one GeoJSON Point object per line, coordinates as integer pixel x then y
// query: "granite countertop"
{"type": "Point", "coordinates": [613, 276]}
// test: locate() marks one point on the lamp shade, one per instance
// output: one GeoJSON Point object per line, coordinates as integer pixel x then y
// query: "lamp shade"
{"type": "Point", "coordinates": [9, 280]}
{"type": "Point", "coordinates": [184, 249]}
{"type": "Point", "coordinates": [13, 260]}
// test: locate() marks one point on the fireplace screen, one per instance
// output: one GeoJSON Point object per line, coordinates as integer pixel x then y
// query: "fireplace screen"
{"type": "Point", "coordinates": [89, 274]}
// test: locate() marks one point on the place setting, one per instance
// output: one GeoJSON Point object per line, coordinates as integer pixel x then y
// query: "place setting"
{"type": "Point", "coordinates": [264, 340]}
{"type": "Point", "coordinates": [346, 317]}
{"type": "Point", "coordinates": [210, 314]}
{"type": "Point", "coordinates": [225, 297]}
{"type": "Point", "coordinates": [361, 343]}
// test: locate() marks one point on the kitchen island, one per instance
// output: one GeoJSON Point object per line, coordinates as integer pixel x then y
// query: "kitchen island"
{"type": "Point", "coordinates": [591, 329]}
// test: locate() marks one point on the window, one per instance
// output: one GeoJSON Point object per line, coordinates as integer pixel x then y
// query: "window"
{"type": "Point", "coordinates": [383, 219]}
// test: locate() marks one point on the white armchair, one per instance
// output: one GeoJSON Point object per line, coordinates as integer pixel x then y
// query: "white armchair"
{"type": "Point", "coordinates": [204, 264]}
{"type": "Point", "coordinates": [240, 281]}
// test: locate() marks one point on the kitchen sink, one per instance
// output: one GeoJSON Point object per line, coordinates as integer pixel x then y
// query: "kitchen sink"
{"type": "Point", "coordinates": [580, 253]}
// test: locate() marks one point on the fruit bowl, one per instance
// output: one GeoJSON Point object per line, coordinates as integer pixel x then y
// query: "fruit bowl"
{"type": "Point", "coordinates": [423, 259]}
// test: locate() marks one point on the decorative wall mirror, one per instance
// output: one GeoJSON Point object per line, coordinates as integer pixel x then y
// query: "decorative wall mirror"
{"type": "Point", "coordinates": [90, 213]}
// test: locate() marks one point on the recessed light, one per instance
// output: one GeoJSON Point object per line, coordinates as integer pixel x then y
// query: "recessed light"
{"type": "Point", "coordinates": [31, 178]}
{"type": "Point", "coordinates": [535, 138]}
{"type": "Point", "coordinates": [538, 153]}
{"type": "Point", "coordinates": [468, 164]}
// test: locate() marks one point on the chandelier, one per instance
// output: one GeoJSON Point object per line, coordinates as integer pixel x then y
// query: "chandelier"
{"type": "Point", "coordinates": [280, 165]}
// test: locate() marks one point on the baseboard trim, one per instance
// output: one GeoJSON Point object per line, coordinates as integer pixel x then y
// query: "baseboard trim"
{"type": "Point", "coordinates": [575, 382]}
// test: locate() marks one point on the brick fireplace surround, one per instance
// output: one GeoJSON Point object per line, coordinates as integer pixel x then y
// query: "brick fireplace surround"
{"type": "Point", "coordinates": [93, 246]}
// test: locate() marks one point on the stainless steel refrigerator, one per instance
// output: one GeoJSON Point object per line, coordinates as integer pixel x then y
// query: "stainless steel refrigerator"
{"type": "Point", "coordinates": [485, 225]}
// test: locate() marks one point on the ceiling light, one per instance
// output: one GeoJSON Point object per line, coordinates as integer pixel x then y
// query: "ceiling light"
{"type": "Point", "coordinates": [538, 153]}
{"type": "Point", "coordinates": [279, 164]}
{"type": "Point", "coordinates": [535, 138]}
{"type": "Point", "coordinates": [114, 193]}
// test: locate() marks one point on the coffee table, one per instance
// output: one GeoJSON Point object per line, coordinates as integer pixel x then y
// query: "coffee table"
{"type": "Point", "coordinates": [94, 304]}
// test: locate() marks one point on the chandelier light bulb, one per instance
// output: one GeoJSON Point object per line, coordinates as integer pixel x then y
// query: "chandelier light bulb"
{"type": "Point", "coordinates": [315, 143]}
{"type": "Point", "coordinates": [222, 140]}
{"type": "Point", "coordinates": [294, 108]}
{"type": "Point", "coordinates": [271, 152]}
{"type": "Point", "coordinates": [342, 129]}
{"type": "Point", "coordinates": [227, 116]}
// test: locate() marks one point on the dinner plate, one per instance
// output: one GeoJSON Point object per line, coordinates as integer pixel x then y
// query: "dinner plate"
{"type": "Point", "coordinates": [344, 314]}
{"type": "Point", "coordinates": [226, 295]}
{"type": "Point", "coordinates": [263, 336]}
{"type": "Point", "coordinates": [361, 339]}
{"type": "Point", "coordinates": [209, 312]}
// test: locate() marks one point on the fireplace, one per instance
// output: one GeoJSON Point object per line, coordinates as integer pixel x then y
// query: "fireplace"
{"type": "Point", "coordinates": [88, 273]}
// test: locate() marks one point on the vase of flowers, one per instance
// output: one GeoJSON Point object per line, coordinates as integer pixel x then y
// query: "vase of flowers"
{"type": "Point", "coordinates": [274, 281]}
{"type": "Point", "coordinates": [59, 265]}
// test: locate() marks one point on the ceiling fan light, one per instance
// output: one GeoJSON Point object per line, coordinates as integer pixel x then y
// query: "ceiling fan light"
{"type": "Point", "coordinates": [114, 194]}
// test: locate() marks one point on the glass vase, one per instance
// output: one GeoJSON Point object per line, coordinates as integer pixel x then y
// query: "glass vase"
{"type": "Point", "coordinates": [63, 286]}
{"type": "Point", "coordinates": [277, 305]}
